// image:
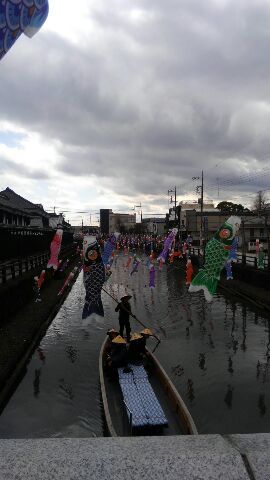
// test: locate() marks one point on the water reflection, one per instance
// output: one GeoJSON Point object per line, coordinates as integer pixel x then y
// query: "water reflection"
{"type": "Point", "coordinates": [229, 396]}
{"type": "Point", "coordinates": [41, 354]}
{"type": "Point", "coordinates": [202, 361]}
{"type": "Point", "coordinates": [71, 353]}
{"type": "Point", "coordinates": [218, 357]}
{"type": "Point", "coordinates": [230, 365]}
{"type": "Point", "coordinates": [211, 342]}
{"type": "Point", "coordinates": [261, 405]}
{"type": "Point", "coordinates": [244, 327]}
{"type": "Point", "coordinates": [36, 382]}
{"type": "Point", "coordinates": [190, 390]}
{"type": "Point", "coordinates": [67, 388]}
{"type": "Point", "coordinates": [177, 370]}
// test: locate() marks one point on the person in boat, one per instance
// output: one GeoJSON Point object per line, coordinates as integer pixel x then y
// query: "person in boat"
{"type": "Point", "coordinates": [124, 310]}
{"type": "Point", "coordinates": [136, 348]}
{"type": "Point", "coordinates": [145, 333]}
{"type": "Point", "coordinates": [112, 333]}
{"type": "Point", "coordinates": [118, 355]}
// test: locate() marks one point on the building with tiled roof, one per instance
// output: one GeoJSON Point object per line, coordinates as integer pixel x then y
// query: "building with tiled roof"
{"type": "Point", "coordinates": [17, 211]}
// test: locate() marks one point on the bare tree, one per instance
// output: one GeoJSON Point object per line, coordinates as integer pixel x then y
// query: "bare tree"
{"type": "Point", "coordinates": [260, 202]}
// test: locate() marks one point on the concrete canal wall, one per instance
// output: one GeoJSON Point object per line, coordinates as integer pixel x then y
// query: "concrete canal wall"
{"type": "Point", "coordinates": [202, 457]}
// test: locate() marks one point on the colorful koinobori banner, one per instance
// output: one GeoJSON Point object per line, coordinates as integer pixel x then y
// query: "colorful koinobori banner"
{"type": "Point", "coordinates": [20, 16]}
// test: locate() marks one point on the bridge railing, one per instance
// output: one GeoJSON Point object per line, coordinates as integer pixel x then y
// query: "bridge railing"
{"type": "Point", "coordinates": [244, 259]}
{"type": "Point", "coordinates": [16, 268]}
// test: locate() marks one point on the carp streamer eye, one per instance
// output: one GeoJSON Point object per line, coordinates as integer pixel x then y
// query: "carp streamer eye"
{"type": "Point", "coordinates": [92, 254]}
{"type": "Point", "coordinates": [225, 233]}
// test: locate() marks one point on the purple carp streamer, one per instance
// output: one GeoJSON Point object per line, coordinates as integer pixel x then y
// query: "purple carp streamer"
{"type": "Point", "coordinates": [233, 252]}
{"type": "Point", "coordinates": [167, 245]}
{"type": "Point", "coordinates": [20, 16]}
{"type": "Point", "coordinates": [110, 245]}
{"type": "Point", "coordinates": [135, 265]}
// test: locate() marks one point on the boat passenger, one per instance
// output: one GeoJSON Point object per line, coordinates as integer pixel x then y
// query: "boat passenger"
{"type": "Point", "coordinates": [146, 333]}
{"type": "Point", "coordinates": [112, 333]}
{"type": "Point", "coordinates": [136, 348]}
{"type": "Point", "coordinates": [118, 356]}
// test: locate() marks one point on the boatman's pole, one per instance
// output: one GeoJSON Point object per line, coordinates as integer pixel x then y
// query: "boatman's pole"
{"type": "Point", "coordinates": [134, 316]}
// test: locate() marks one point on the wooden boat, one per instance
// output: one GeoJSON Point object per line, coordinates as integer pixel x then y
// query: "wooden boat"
{"type": "Point", "coordinates": [118, 420]}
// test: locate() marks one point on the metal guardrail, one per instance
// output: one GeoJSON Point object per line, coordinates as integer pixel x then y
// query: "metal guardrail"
{"type": "Point", "coordinates": [246, 259]}
{"type": "Point", "coordinates": [16, 268]}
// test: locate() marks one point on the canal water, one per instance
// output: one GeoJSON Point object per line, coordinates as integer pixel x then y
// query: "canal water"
{"type": "Point", "coordinates": [217, 355]}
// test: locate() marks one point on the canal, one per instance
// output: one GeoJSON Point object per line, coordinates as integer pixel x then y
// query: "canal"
{"type": "Point", "coordinates": [217, 355]}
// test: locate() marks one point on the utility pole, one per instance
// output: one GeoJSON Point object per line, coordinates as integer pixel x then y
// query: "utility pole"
{"type": "Point", "coordinates": [173, 191]}
{"type": "Point", "coordinates": [199, 189]}
{"type": "Point", "coordinates": [201, 235]}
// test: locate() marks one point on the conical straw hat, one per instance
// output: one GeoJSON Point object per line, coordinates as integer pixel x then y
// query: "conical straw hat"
{"type": "Point", "coordinates": [119, 339]}
{"type": "Point", "coordinates": [135, 336]}
{"type": "Point", "coordinates": [146, 331]}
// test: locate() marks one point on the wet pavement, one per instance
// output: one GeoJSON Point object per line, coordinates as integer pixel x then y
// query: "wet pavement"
{"type": "Point", "coordinates": [217, 355]}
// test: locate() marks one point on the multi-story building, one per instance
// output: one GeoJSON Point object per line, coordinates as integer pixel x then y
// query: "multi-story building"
{"type": "Point", "coordinates": [116, 222]}
{"type": "Point", "coordinates": [154, 226]}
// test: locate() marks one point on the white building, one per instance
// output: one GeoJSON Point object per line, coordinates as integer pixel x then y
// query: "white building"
{"type": "Point", "coordinates": [194, 205]}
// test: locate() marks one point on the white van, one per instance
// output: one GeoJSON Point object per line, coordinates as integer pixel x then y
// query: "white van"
{"type": "Point", "coordinates": [252, 246]}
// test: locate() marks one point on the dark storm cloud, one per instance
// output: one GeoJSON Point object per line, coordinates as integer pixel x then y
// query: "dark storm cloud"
{"type": "Point", "coordinates": [9, 167]}
{"type": "Point", "coordinates": [171, 89]}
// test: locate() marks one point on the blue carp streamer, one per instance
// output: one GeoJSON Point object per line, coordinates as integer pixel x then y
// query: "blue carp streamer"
{"type": "Point", "coordinates": [20, 16]}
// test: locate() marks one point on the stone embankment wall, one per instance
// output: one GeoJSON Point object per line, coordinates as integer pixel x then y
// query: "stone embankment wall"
{"type": "Point", "coordinates": [200, 457]}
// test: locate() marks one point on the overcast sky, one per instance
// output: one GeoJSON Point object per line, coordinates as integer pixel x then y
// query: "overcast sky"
{"type": "Point", "coordinates": [113, 103]}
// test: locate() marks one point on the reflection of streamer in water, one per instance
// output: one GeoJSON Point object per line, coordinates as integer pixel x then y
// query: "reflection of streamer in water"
{"type": "Point", "coordinates": [234, 341]}
{"type": "Point", "coordinates": [230, 365]}
{"type": "Point", "coordinates": [211, 343]}
{"type": "Point", "coordinates": [188, 312]}
{"type": "Point", "coordinates": [190, 390]}
{"type": "Point", "coordinates": [202, 361]}
{"type": "Point", "coordinates": [36, 382]}
{"type": "Point", "coordinates": [41, 354]}
{"type": "Point", "coordinates": [244, 328]}
{"type": "Point", "coordinates": [66, 388]}
{"type": "Point", "coordinates": [71, 353]}
{"type": "Point", "coordinates": [258, 368]}
{"type": "Point", "coordinates": [208, 313]}
{"type": "Point", "coordinates": [163, 331]}
{"type": "Point", "coordinates": [228, 396]}
{"type": "Point", "coordinates": [177, 370]}
{"type": "Point", "coordinates": [261, 405]}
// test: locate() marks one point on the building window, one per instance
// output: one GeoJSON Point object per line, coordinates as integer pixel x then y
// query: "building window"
{"type": "Point", "coordinates": [252, 233]}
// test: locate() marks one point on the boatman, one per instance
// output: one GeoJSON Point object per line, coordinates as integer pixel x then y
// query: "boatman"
{"type": "Point", "coordinates": [124, 309]}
